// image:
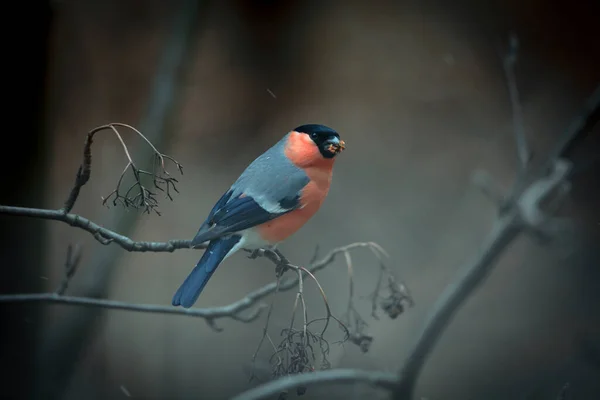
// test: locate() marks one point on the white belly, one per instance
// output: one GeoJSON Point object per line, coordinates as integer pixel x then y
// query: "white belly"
{"type": "Point", "coordinates": [251, 240]}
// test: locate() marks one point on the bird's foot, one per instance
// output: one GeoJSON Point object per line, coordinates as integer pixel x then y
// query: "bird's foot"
{"type": "Point", "coordinates": [256, 253]}
{"type": "Point", "coordinates": [280, 270]}
{"type": "Point", "coordinates": [282, 263]}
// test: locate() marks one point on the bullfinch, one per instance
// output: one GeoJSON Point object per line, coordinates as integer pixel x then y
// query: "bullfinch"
{"type": "Point", "coordinates": [275, 196]}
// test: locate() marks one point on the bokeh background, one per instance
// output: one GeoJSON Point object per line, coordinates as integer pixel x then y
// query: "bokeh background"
{"type": "Point", "coordinates": [417, 90]}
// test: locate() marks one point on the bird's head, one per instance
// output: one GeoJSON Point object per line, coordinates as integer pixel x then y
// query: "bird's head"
{"type": "Point", "coordinates": [313, 143]}
{"type": "Point", "coordinates": [326, 139]}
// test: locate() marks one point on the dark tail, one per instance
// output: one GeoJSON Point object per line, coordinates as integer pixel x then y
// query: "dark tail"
{"type": "Point", "coordinates": [190, 289]}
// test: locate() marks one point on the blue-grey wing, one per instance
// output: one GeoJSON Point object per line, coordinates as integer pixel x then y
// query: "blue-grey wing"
{"type": "Point", "coordinates": [270, 187]}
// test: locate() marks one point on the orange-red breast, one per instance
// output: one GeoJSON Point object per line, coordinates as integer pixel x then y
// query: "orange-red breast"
{"type": "Point", "coordinates": [275, 196]}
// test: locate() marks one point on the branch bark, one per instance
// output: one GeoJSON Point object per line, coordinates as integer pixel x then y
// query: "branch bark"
{"type": "Point", "coordinates": [468, 279]}
{"type": "Point", "coordinates": [338, 376]}
{"type": "Point", "coordinates": [101, 234]}
{"type": "Point", "coordinates": [232, 310]}
{"type": "Point", "coordinates": [210, 314]}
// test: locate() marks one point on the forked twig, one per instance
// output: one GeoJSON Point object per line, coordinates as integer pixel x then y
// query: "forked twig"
{"type": "Point", "coordinates": [138, 195]}
{"type": "Point", "coordinates": [71, 264]}
{"type": "Point", "coordinates": [393, 304]}
{"type": "Point", "coordinates": [101, 234]}
{"type": "Point", "coordinates": [296, 354]}
{"type": "Point", "coordinates": [509, 63]}
{"type": "Point", "coordinates": [266, 335]}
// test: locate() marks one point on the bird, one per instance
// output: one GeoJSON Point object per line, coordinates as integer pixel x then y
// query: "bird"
{"type": "Point", "coordinates": [271, 200]}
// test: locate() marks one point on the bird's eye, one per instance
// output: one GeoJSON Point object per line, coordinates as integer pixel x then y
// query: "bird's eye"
{"type": "Point", "coordinates": [313, 135]}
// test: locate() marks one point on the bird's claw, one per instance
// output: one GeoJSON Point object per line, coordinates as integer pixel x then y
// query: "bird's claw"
{"type": "Point", "coordinates": [280, 269]}
{"type": "Point", "coordinates": [256, 253]}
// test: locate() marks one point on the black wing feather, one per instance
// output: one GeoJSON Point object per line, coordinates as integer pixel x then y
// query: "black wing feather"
{"type": "Point", "coordinates": [237, 214]}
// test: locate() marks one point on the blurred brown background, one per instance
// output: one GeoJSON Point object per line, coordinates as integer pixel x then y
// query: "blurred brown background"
{"type": "Point", "coordinates": [417, 90]}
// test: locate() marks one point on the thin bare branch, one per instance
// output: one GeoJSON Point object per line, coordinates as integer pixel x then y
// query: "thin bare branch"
{"type": "Point", "coordinates": [578, 128]}
{"type": "Point", "coordinates": [296, 352]}
{"type": "Point", "coordinates": [287, 284]}
{"type": "Point", "coordinates": [144, 197]}
{"type": "Point", "coordinates": [299, 349]}
{"type": "Point", "coordinates": [103, 235]}
{"type": "Point", "coordinates": [71, 264]}
{"type": "Point", "coordinates": [210, 314]}
{"type": "Point", "coordinates": [469, 277]}
{"type": "Point", "coordinates": [399, 293]}
{"type": "Point", "coordinates": [266, 335]}
{"type": "Point", "coordinates": [270, 390]}
{"type": "Point", "coordinates": [116, 132]}
{"type": "Point", "coordinates": [84, 171]}
{"type": "Point", "coordinates": [139, 195]}
{"type": "Point", "coordinates": [393, 304]}
{"type": "Point", "coordinates": [327, 307]}
{"type": "Point", "coordinates": [356, 323]}
{"type": "Point", "coordinates": [540, 190]}
{"type": "Point", "coordinates": [83, 175]}
{"type": "Point", "coordinates": [509, 62]}
{"type": "Point", "coordinates": [232, 310]}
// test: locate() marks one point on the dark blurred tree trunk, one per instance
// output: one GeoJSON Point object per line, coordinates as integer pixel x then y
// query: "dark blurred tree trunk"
{"type": "Point", "coordinates": [65, 342]}
{"type": "Point", "coordinates": [22, 246]}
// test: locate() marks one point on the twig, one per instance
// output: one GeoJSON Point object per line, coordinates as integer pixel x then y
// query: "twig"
{"type": "Point", "coordinates": [144, 197]}
{"type": "Point", "coordinates": [85, 169]}
{"type": "Point", "coordinates": [268, 337]}
{"type": "Point", "coordinates": [73, 258]}
{"type": "Point", "coordinates": [352, 317]}
{"type": "Point", "coordinates": [101, 234]}
{"type": "Point", "coordinates": [297, 351]}
{"type": "Point", "coordinates": [210, 314]}
{"type": "Point", "coordinates": [338, 376]}
{"type": "Point", "coordinates": [232, 310]}
{"type": "Point", "coordinates": [299, 297]}
{"type": "Point", "coordinates": [393, 305]}
{"type": "Point", "coordinates": [295, 354]}
{"type": "Point", "coordinates": [576, 130]}
{"type": "Point", "coordinates": [330, 315]}
{"type": "Point", "coordinates": [469, 277]}
{"type": "Point", "coordinates": [288, 284]}
{"type": "Point", "coordinates": [297, 345]}
{"type": "Point", "coordinates": [579, 126]}
{"type": "Point", "coordinates": [509, 63]}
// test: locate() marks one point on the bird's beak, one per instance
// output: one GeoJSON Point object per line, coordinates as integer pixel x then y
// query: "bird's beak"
{"type": "Point", "coordinates": [335, 145]}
